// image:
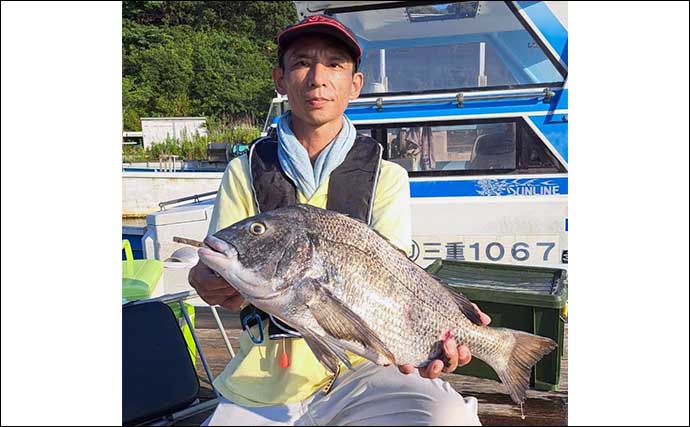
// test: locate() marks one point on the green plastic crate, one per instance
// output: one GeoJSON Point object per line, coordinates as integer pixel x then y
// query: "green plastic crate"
{"type": "Point", "coordinates": [530, 299]}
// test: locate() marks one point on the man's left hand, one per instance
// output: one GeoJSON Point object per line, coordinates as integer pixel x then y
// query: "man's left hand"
{"type": "Point", "coordinates": [457, 355]}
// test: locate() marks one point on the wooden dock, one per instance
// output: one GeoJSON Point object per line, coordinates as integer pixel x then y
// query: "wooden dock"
{"type": "Point", "coordinates": [495, 406]}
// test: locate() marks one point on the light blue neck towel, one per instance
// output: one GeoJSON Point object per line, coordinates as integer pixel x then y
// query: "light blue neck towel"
{"type": "Point", "coordinates": [294, 159]}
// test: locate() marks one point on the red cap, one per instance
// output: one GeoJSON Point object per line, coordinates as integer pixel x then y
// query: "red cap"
{"type": "Point", "coordinates": [322, 24]}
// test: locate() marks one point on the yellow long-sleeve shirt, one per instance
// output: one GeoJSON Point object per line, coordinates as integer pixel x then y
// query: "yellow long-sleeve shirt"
{"type": "Point", "coordinates": [254, 376]}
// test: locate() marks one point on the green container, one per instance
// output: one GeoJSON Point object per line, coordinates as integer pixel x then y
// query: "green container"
{"type": "Point", "coordinates": [530, 299]}
{"type": "Point", "coordinates": [139, 276]}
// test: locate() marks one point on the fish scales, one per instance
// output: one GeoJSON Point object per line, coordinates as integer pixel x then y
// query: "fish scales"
{"type": "Point", "coordinates": [428, 309]}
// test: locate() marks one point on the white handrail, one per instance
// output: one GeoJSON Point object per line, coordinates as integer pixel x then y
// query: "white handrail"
{"type": "Point", "coordinates": [459, 97]}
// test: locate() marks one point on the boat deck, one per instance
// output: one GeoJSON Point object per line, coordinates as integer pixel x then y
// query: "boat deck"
{"type": "Point", "coordinates": [495, 406]}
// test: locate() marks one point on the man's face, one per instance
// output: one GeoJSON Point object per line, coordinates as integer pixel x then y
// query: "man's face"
{"type": "Point", "coordinates": [318, 79]}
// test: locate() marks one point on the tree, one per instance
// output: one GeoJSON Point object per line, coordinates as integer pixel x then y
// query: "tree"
{"type": "Point", "coordinates": [199, 58]}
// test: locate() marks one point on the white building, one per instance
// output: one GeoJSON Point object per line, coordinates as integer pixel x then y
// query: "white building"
{"type": "Point", "coordinates": [157, 129]}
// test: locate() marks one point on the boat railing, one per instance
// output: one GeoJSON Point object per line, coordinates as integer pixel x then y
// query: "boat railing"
{"type": "Point", "coordinates": [196, 198]}
{"type": "Point", "coordinates": [457, 97]}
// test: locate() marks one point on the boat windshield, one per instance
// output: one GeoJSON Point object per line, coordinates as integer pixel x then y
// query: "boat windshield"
{"type": "Point", "coordinates": [447, 46]}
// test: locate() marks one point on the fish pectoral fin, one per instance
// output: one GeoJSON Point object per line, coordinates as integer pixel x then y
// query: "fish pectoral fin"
{"type": "Point", "coordinates": [325, 352]}
{"type": "Point", "coordinates": [342, 323]}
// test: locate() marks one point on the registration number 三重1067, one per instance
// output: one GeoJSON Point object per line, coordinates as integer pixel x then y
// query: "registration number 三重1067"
{"type": "Point", "coordinates": [510, 250]}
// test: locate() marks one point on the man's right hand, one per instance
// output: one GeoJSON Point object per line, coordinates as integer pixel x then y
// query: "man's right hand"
{"type": "Point", "coordinates": [214, 289]}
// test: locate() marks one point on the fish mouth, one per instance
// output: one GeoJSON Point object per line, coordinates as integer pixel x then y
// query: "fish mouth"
{"type": "Point", "coordinates": [217, 253]}
{"type": "Point", "coordinates": [215, 247]}
{"type": "Point", "coordinates": [223, 258]}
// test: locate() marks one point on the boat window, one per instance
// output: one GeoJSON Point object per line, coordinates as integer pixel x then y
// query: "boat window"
{"type": "Point", "coordinates": [534, 156]}
{"type": "Point", "coordinates": [454, 147]}
{"type": "Point", "coordinates": [447, 46]}
{"type": "Point", "coordinates": [487, 146]}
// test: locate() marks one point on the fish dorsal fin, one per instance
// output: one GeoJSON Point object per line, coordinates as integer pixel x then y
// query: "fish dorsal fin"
{"type": "Point", "coordinates": [463, 302]}
{"type": "Point", "coordinates": [387, 240]}
{"type": "Point", "coordinates": [467, 308]}
{"type": "Point", "coordinates": [342, 323]}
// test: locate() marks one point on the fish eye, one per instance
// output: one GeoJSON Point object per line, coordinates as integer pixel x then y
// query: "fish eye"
{"type": "Point", "coordinates": [257, 228]}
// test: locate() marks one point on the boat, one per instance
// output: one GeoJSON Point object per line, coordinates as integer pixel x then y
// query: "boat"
{"type": "Point", "coordinates": [470, 98]}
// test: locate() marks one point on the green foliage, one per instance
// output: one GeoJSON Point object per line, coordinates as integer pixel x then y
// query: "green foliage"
{"type": "Point", "coordinates": [230, 131]}
{"type": "Point", "coordinates": [209, 59]}
{"type": "Point", "coordinates": [194, 147]}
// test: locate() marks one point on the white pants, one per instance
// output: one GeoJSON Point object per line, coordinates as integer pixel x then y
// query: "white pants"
{"type": "Point", "coordinates": [369, 395]}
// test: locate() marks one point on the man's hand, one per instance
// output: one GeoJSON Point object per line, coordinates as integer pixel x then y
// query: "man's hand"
{"type": "Point", "coordinates": [457, 355]}
{"type": "Point", "coordinates": [214, 289]}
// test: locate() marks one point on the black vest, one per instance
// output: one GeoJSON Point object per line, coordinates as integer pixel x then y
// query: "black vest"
{"type": "Point", "coordinates": [351, 191]}
{"type": "Point", "coordinates": [351, 187]}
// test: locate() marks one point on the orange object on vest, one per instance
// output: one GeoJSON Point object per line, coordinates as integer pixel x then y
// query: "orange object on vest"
{"type": "Point", "coordinates": [284, 361]}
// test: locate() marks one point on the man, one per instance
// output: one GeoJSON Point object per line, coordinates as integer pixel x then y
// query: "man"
{"type": "Point", "coordinates": [317, 158]}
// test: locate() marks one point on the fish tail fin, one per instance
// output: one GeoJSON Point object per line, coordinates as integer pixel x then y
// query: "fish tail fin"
{"type": "Point", "coordinates": [525, 352]}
